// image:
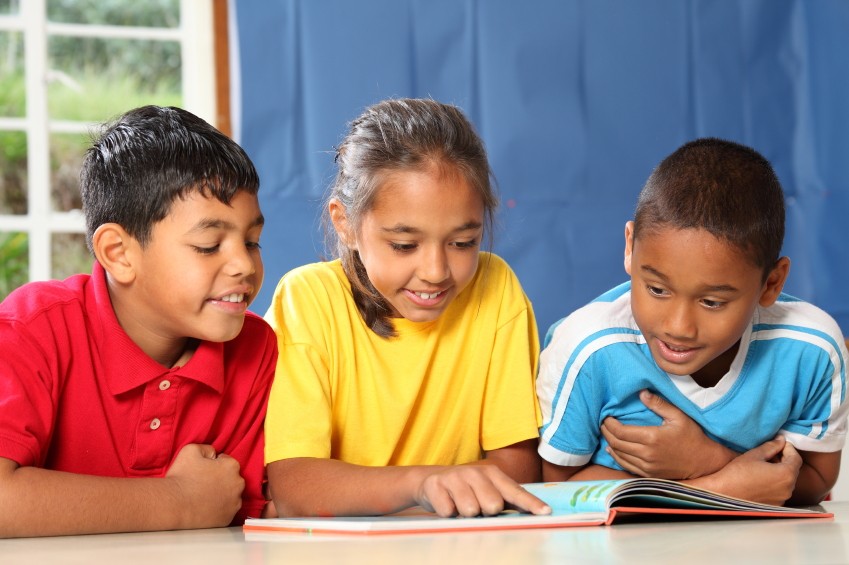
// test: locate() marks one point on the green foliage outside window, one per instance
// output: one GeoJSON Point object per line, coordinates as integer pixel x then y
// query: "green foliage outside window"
{"type": "Point", "coordinates": [92, 80]}
{"type": "Point", "coordinates": [14, 247]}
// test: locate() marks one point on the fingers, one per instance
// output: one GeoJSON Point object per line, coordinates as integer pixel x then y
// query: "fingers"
{"type": "Point", "coordinates": [660, 406]}
{"type": "Point", "coordinates": [204, 450]}
{"type": "Point", "coordinates": [791, 457]}
{"type": "Point", "coordinates": [627, 443]}
{"type": "Point", "coordinates": [476, 490]}
{"type": "Point", "coordinates": [629, 463]}
{"type": "Point", "coordinates": [768, 450]}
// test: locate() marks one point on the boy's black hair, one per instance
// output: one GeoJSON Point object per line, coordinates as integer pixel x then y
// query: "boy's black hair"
{"type": "Point", "coordinates": [150, 156]}
{"type": "Point", "coordinates": [720, 186]}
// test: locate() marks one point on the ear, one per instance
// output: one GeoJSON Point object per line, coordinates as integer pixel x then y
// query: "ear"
{"type": "Point", "coordinates": [775, 282]}
{"type": "Point", "coordinates": [339, 217]}
{"type": "Point", "coordinates": [629, 245]}
{"type": "Point", "coordinates": [115, 249]}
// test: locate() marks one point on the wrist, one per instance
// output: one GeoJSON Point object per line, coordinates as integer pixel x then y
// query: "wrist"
{"type": "Point", "coordinates": [722, 456]}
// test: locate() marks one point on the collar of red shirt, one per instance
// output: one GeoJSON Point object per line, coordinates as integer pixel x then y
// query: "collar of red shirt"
{"type": "Point", "coordinates": [127, 366]}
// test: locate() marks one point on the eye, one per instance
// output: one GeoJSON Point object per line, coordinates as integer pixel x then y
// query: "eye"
{"type": "Point", "coordinates": [206, 250]}
{"type": "Point", "coordinates": [253, 245]}
{"type": "Point", "coordinates": [463, 245]}
{"type": "Point", "coordinates": [402, 247]}
{"type": "Point", "coordinates": [656, 291]}
{"type": "Point", "coordinates": [712, 304]}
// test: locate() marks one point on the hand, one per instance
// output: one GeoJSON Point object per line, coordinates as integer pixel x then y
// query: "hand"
{"type": "Point", "coordinates": [677, 449]}
{"type": "Point", "coordinates": [765, 474]}
{"type": "Point", "coordinates": [208, 484]}
{"type": "Point", "coordinates": [472, 490]}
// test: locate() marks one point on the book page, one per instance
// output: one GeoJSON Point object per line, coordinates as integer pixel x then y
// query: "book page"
{"type": "Point", "coordinates": [573, 497]}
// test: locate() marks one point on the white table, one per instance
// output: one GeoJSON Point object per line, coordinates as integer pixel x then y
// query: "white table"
{"type": "Point", "coordinates": [770, 541]}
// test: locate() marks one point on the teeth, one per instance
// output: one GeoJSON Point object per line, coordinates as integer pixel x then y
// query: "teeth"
{"type": "Point", "coordinates": [232, 298]}
{"type": "Point", "coordinates": [427, 296]}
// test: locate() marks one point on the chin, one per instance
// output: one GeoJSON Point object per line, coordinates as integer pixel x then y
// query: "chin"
{"type": "Point", "coordinates": [421, 317]}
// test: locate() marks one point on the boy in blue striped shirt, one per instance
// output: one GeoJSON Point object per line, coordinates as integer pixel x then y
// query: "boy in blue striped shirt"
{"type": "Point", "coordinates": [700, 369]}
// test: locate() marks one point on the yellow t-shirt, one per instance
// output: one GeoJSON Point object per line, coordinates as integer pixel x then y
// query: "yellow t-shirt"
{"type": "Point", "coordinates": [440, 393]}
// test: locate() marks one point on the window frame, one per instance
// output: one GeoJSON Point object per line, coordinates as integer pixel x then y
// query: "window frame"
{"type": "Point", "coordinates": [200, 37]}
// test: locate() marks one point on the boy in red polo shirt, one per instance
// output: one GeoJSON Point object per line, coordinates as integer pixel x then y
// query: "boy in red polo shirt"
{"type": "Point", "coordinates": [133, 398]}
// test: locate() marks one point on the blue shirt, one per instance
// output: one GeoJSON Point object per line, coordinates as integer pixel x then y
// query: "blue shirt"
{"type": "Point", "coordinates": [788, 378]}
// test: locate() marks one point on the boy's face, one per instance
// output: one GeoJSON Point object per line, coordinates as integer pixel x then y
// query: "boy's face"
{"type": "Point", "coordinates": [692, 296]}
{"type": "Point", "coordinates": [199, 271]}
{"type": "Point", "coordinates": [420, 241]}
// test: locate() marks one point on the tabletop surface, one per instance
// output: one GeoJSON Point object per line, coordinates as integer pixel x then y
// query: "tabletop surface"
{"type": "Point", "coordinates": [688, 542]}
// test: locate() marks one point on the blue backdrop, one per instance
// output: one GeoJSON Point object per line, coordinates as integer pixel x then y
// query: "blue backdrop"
{"type": "Point", "coordinates": [576, 100]}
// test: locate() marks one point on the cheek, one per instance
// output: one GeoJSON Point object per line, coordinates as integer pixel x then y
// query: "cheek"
{"type": "Point", "coordinates": [640, 310]}
{"type": "Point", "coordinates": [464, 269]}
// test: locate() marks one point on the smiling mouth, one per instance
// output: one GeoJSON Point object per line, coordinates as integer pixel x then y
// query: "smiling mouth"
{"type": "Point", "coordinates": [677, 348]}
{"type": "Point", "coordinates": [235, 298]}
{"type": "Point", "coordinates": [428, 295]}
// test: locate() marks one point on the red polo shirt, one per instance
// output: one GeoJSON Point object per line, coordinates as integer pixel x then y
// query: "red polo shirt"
{"type": "Point", "coordinates": [78, 395]}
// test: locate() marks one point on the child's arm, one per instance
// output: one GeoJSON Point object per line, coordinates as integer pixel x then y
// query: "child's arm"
{"type": "Point", "coordinates": [677, 449]}
{"type": "Point", "coordinates": [520, 461]}
{"type": "Point", "coordinates": [305, 486]}
{"type": "Point", "coordinates": [200, 490]}
{"type": "Point", "coordinates": [765, 474]}
{"type": "Point", "coordinates": [817, 477]}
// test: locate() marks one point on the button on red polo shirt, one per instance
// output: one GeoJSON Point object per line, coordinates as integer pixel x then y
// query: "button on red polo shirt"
{"type": "Point", "coordinates": [78, 395]}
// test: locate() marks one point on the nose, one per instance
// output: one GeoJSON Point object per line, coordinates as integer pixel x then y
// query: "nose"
{"type": "Point", "coordinates": [433, 267]}
{"type": "Point", "coordinates": [680, 320]}
{"type": "Point", "coordinates": [241, 262]}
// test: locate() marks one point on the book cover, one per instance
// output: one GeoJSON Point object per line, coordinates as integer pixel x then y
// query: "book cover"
{"type": "Point", "coordinates": [573, 503]}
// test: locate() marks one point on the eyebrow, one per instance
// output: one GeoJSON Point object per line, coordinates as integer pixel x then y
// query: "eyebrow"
{"type": "Point", "coordinates": [219, 224]}
{"type": "Point", "coordinates": [403, 228]}
{"type": "Point", "coordinates": [712, 288]}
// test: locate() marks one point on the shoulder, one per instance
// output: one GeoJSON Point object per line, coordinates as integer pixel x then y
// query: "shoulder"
{"type": "Point", "coordinates": [589, 331]}
{"type": "Point", "coordinates": [495, 279]}
{"type": "Point", "coordinates": [610, 313]}
{"type": "Point", "coordinates": [310, 300]}
{"type": "Point", "coordinates": [322, 277]}
{"type": "Point", "coordinates": [492, 265]}
{"type": "Point", "coordinates": [792, 318]}
{"type": "Point", "coordinates": [36, 299]}
{"type": "Point", "coordinates": [791, 313]}
{"type": "Point", "coordinates": [494, 293]}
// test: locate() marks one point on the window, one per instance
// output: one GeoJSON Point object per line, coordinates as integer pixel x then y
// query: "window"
{"type": "Point", "coordinates": [66, 66]}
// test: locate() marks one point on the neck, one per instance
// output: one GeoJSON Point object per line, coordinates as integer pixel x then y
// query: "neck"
{"type": "Point", "coordinates": [709, 375]}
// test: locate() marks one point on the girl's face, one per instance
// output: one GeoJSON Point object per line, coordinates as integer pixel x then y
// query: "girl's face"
{"type": "Point", "coordinates": [419, 243]}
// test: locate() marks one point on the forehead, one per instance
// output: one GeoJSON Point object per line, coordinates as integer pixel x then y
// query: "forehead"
{"type": "Point", "coordinates": [427, 195]}
{"type": "Point", "coordinates": [194, 209]}
{"type": "Point", "coordinates": [695, 253]}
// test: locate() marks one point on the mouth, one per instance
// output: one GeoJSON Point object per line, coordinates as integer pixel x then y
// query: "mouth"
{"type": "Point", "coordinates": [428, 295]}
{"type": "Point", "coordinates": [674, 353]}
{"type": "Point", "coordinates": [426, 299]}
{"type": "Point", "coordinates": [234, 298]}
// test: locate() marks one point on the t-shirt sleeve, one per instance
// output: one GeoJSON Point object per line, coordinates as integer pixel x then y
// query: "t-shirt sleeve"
{"type": "Point", "coordinates": [298, 422]}
{"type": "Point", "coordinates": [569, 402]}
{"type": "Point", "coordinates": [28, 395]}
{"type": "Point", "coordinates": [510, 409]}
{"type": "Point", "coordinates": [821, 423]}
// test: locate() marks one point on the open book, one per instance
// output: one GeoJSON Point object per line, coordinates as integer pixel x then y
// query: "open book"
{"type": "Point", "coordinates": [573, 503]}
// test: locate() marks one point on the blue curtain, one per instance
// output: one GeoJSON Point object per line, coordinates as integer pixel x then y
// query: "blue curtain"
{"type": "Point", "coordinates": [576, 100]}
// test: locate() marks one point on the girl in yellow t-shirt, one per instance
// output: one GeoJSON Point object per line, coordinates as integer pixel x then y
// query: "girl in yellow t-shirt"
{"type": "Point", "coordinates": [406, 366]}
